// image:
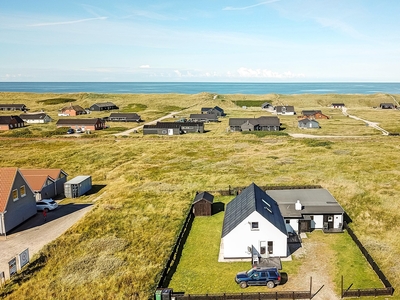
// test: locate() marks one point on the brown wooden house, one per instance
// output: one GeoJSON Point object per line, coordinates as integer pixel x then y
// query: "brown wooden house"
{"type": "Point", "coordinates": [202, 204]}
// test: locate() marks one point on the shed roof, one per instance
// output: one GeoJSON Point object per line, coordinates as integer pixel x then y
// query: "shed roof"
{"type": "Point", "coordinates": [252, 199]}
{"type": "Point", "coordinates": [78, 179]}
{"type": "Point", "coordinates": [37, 182]}
{"type": "Point", "coordinates": [203, 196]}
{"type": "Point", "coordinates": [310, 112]}
{"type": "Point", "coordinates": [306, 121]}
{"type": "Point", "coordinates": [288, 108]}
{"type": "Point", "coordinates": [74, 107]}
{"type": "Point", "coordinates": [313, 201]}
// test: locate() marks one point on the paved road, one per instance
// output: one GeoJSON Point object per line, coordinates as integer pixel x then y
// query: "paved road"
{"type": "Point", "coordinates": [35, 233]}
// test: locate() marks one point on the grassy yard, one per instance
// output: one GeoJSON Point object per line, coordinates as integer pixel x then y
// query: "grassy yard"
{"type": "Point", "coordinates": [199, 271]}
{"type": "Point", "coordinates": [119, 249]}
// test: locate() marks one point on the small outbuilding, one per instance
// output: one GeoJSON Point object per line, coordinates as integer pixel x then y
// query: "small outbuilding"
{"type": "Point", "coordinates": [77, 186]}
{"type": "Point", "coordinates": [9, 107]}
{"type": "Point", "coordinates": [337, 105]}
{"type": "Point", "coordinates": [285, 110]}
{"type": "Point", "coordinates": [202, 204]}
{"type": "Point", "coordinates": [308, 124]}
{"type": "Point", "coordinates": [386, 106]}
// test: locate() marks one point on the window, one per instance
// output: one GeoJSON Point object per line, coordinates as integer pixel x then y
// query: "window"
{"type": "Point", "coordinates": [263, 247]}
{"type": "Point", "coordinates": [22, 191]}
{"type": "Point", "coordinates": [254, 226]}
{"type": "Point", "coordinates": [270, 247]}
{"type": "Point", "coordinates": [287, 221]}
{"type": "Point", "coordinates": [312, 218]}
{"type": "Point", "coordinates": [15, 195]}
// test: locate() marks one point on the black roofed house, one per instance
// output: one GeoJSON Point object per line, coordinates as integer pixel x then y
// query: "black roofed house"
{"type": "Point", "coordinates": [35, 118]}
{"type": "Point", "coordinates": [337, 105]}
{"type": "Point", "coordinates": [203, 118]}
{"type": "Point", "coordinates": [253, 220]}
{"type": "Point", "coordinates": [103, 106]}
{"type": "Point", "coordinates": [21, 107]}
{"type": "Point", "coordinates": [11, 122]}
{"type": "Point", "coordinates": [386, 106]}
{"type": "Point", "coordinates": [285, 110]}
{"type": "Point", "coordinates": [215, 110]}
{"type": "Point", "coordinates": [307, 209]}
{"type": "Point", "coordinates": [173, 128]}
{"type": "Point", "coordinates": [202, 204]}
{"type": "Point", "coordinates": [83, 124]}
{"type": "Point", "coordinates": [124, 117]}
{"type": "Point", "coordinates": [308, 124]}
{"type": "Point", "coordinates": [264, 123]}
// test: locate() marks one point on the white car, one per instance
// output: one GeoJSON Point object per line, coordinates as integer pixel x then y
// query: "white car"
{"type": "Point", "coordinates": [46, 204]}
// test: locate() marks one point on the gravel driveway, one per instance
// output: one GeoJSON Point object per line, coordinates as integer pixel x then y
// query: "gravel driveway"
{"type": "Point", "coordinates": [35, 233]}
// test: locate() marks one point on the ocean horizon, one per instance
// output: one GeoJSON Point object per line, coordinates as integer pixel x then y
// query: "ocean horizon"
{"type": "Point", "coordinates": [255, 88]}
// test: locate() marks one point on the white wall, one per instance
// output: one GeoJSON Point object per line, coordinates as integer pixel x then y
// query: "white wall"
{"type": "Point", "coordinates": [318, 222]}
{"type": "Point", "coordinates": [236, 242]}
{"type": "Point", "coordinates": [338, 221]}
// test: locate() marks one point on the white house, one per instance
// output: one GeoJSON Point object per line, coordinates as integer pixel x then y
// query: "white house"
{"type": "Point", "coordinates": [35, 118]}
{"type": "Point", "coordinates": [308, 209]}
{"type": "Point", "coordinates": [253, 220]}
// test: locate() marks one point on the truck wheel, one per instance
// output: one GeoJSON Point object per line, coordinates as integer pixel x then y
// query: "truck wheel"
{"type": "Point", "coordinates": [243, 284]}
{"type": "Point", "coordinates": [270, 284]}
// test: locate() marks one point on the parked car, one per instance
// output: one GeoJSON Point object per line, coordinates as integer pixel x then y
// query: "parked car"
{"type": "Point", "coordinates": [79, 130]}
{"type": "Point", "coordinates": [70, 131]}
{"type": "Point", "coordinates": [46, 204]}
{"type": "Point", "coordinates": [259, 276]}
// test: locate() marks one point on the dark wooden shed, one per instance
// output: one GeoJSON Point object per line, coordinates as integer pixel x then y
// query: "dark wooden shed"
{"type": "Point", "coordinates": [202, 204]}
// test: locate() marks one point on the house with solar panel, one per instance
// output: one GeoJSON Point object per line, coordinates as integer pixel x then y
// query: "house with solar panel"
{"type": "Point", "coordinates": [253, 223]}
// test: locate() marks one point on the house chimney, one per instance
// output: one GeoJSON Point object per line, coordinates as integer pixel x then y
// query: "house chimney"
{"type": "Point", "coordinates": [297, 205]}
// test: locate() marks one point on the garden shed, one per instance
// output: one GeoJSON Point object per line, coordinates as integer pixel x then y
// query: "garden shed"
{"type": "Point", "coordinates": [202, 204]}
{"type": "Point", "coordinates": [77, 186]}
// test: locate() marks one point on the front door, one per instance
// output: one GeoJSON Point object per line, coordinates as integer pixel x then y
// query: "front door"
{"type": "Point", "coordinates": [170, 132]}
{"type": "Point", "coordinates": [304, 226]}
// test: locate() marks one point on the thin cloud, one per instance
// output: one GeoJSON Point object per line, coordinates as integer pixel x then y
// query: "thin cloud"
{"type": "Point", "coordinates": [144, 67]}
{"type": "Point", "coordinates": [250, 6]}
{"type": "Point", "coordinates": [67, 22]}
{"type": "Point", "coordinates": [263, 73]}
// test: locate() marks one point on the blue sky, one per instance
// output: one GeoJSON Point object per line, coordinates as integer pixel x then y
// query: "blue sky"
{"type": "Point", "coordinates": [206, 41]}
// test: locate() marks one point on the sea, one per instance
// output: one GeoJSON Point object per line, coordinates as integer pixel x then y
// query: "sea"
{"type": "Point", "coordinates": [198, 87]}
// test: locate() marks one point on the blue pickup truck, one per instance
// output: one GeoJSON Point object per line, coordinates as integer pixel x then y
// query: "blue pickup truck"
{"type": "Point", "coordinates": [259, 276]}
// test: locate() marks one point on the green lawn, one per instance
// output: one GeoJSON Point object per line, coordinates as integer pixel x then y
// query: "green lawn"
{"type": "Point", "coordinates": [199, 271]}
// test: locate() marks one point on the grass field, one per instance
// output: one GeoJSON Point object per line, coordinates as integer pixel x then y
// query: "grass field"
{"type": "Point", "coordinates": [118, 250]}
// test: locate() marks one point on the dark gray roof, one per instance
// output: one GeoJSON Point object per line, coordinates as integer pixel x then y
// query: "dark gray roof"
{"type": "Point", "coordinates": [206, 108]}
{"type": "Point", "coordinates": [203, 196]}
{"type": "Point", "coordinates": [310, 112]}
{"type": "Point", "coordinates": [17, 106]}
{"type": "Point", "coordinates": [219, 109]}
{"type": "Point", "coordinates": [337, 104]}
{"type": "Point", "coordinates": [105, 104]}
{"type": "Point", "coordinates": [313, 201]}
{"type": "Point", "coordinates": [288, 108]}
{"type": "Point", "coordinates": [306, 121]}
{"type": "Point", "coordinates": [8, 119]}
{"type": "Point", "coordinates": [164, 125]}
{"type": "Point", "coordinates": [70, 121]}
{"type": "Point", "coordinates": [262, 121]}
{"type": "Point", "coordinates": [249, 200]}
{"type": "Point", "coordinates": [124, 115]}
{"type": "Point", "coordinates": [34, 116]}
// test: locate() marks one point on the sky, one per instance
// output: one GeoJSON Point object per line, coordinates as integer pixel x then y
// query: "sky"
{"type": "Point", "coordinates": [200, 41]}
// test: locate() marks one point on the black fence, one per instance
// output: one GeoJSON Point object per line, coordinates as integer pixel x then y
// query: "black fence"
{"type": "Point", "coordinates": [388, 290]}
{"type": "Point", "coordinates": [173, 260]}
{"type": "Point", "coordinates": [246, 296]}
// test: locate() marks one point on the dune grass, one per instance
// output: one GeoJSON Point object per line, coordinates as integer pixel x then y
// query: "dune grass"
{"type": "Point", "coordinates": [150, 182]}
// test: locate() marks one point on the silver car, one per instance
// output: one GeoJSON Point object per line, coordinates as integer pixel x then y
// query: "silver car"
{"type": "Point", "coordinates": [46, 204]}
